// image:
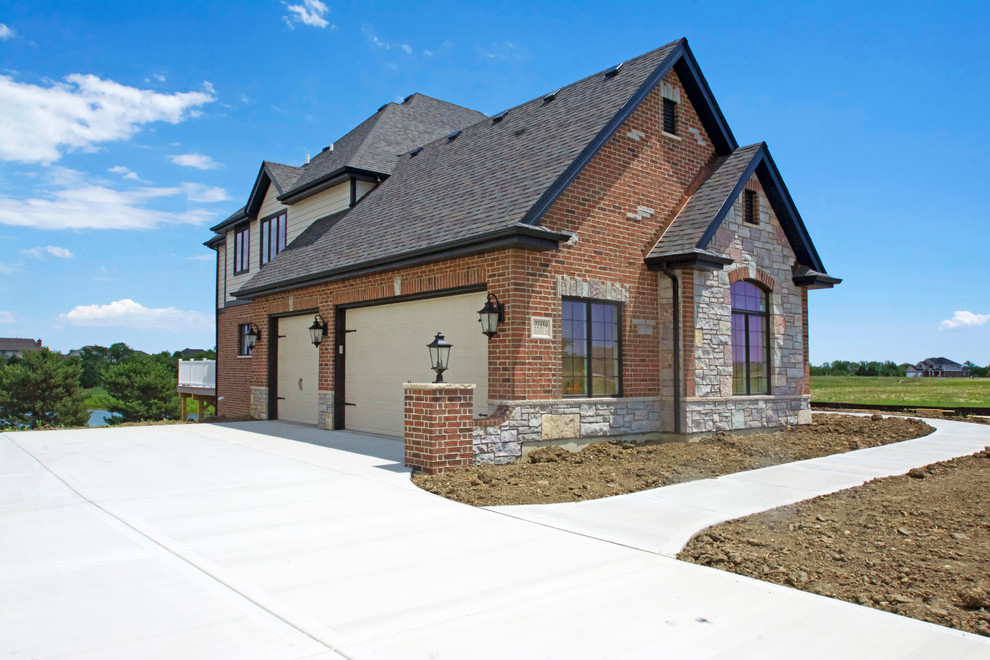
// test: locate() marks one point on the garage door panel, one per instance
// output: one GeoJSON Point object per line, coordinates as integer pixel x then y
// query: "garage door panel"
{"type": "Point", "coordinates": [297, 372]}
{"type": "Point", "coordinates": [387, 348]}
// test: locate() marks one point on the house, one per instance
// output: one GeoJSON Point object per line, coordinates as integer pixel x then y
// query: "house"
{"type": "Point", "coordinates": [654, 273]}
{"type": "Point", "coordinates": [938, 367]}
{"type": "Point", "coordinates": [11, 346]}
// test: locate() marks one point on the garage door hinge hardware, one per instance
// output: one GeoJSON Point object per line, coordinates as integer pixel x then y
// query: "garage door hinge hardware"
{"type": "Point", "coordinates": [346, 331]}
{"type": "Point", "coordinates": [349, 404]}
{"type": "Point", "coordinates": [281, 336]}
{"type": "Point", "coordinates": [280, 398]}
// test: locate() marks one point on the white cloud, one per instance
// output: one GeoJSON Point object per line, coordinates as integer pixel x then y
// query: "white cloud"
{"type": "Point", "coordinates": [964, 319]}
{"type": "Point", "coordinates": [198, 192]}
{"type": "Point", "coordinates": [310, 12]}
{"type": "Point", "coordinates": [129, 314]}
{"type": "Point", "coordinates": [407, 48]}
{"type": "Point", "coordinates": [199, 161]}
{"type": "Point", "coordinates": [5, 32]}
{"type": "Point", "coordinates": [7, 268]}
{"type": "Point", "coordinates": [38, 124]}
{"type": "Point", "coordinates": [53, 250]}
{"type": "Point", "coordinates": [97, 207]}
{"type": "Point", "coordinates": [7, 317]}
{"type": "Point", "coordinates": [504, 51]}
{"type": "Point", "coordinates": [125, 172]}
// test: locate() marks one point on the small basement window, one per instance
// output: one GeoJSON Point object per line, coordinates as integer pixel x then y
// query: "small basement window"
{"type": "Point", "coordinates": [750, 208]}
{"type": "Point", "coordinates": [669, 116]}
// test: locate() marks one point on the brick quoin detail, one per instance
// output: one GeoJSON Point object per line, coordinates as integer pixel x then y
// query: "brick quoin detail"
{"type": "Point", "coordinates": [742, 273]}
{"type": "Point", "coordinates": [439, 427]}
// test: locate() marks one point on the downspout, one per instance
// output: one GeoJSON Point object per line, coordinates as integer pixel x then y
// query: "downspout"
{"type": "Point", "coordinates": [677, 347]}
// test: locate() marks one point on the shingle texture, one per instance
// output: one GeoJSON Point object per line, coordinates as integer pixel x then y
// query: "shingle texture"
{"type": "Point", "coordinates": [375, 144]}
{"type": "Point", "coordinates": [483, 181]}
{"type": "Point", "coordinates": [18, 344]}
{"type": "Point", "coordinates": [686, 231]}
{"type": "Point", "coordinates": [283, 176]}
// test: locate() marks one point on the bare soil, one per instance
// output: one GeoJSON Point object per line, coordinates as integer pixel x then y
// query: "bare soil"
{"type": "Point", "coordinates": [612, 468]}
{"type": "Point", "coordinates": [916, 545]}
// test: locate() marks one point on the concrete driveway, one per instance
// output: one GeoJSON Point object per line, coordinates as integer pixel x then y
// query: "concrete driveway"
{"type": "Point", "coordinates": [266, 540]}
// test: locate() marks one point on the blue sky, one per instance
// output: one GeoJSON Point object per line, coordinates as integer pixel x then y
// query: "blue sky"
{"type": "Point", "coordinates": [128, 128]}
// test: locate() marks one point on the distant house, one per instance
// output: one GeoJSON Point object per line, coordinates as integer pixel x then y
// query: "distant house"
{"type": "Point", "coordinates": [938, 367]}
{"type": "Point", "coordinates": [191, 352]}
{"type": "Point", "coordinates": [10, 346]}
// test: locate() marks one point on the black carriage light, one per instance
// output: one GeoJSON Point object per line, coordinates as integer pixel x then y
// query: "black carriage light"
{"type": "Point", "coordinates": [253, 335]}
{"type": "Point", "coordinates": [317, 330]}
{"type": "Point", "coordinates": [439, 355]}
{"type": "Point", "coordinates": [491, 315]}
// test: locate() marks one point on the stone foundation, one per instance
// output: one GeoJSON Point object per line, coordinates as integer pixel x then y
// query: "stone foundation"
{"type": "Point", "coordinates": [259, 402]}
{"type": "Point", "coordinates": [500, 437]}
{"type": "Point", "coordinates": [710, 414]}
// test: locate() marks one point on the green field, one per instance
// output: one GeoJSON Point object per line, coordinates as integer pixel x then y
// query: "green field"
{"type": "Point", "coordinates": [921, 392]}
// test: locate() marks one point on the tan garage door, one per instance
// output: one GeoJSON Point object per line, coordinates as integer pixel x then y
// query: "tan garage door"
{"type": "Point", "coordinates": [388, 349]}
{"type": "Point", "coordinates": [298, 366]}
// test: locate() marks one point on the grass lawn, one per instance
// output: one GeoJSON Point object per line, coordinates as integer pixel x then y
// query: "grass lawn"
{"type": "Point", "coordinates": [921, 392]}
{"type": "Point", "coordinates": [92, 394]}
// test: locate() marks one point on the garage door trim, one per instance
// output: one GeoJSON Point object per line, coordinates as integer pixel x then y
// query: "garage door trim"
{"type": "Point", "coordinates": [340, 329]}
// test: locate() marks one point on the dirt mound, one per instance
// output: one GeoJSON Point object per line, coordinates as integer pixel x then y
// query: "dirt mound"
{"type": "Point", "coordinates": [612, 468]}
{"type": "Point", "coordinates": [916, 545]}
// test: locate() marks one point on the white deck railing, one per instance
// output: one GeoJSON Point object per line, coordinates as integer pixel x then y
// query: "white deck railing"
{"type": "Point", "coordinates": [198, 373]}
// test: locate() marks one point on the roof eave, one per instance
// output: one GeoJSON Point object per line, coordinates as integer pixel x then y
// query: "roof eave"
{"type": "Point", "coordinates": [327, 181]}
{"type": "Point", "coordinates": [233, 219]}
{"type": "Point", "coordinates": [694, 260]}
{"type": "Point", "coordinates": [816, 281]}
{"type": "Point", "coordinates": [519, 237]}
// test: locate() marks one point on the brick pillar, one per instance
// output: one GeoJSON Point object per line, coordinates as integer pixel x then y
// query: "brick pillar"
{"type": "Point", "coordinates": [439, 425]}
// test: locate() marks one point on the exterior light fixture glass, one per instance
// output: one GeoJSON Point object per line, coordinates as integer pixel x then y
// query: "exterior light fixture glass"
{"type": "Point", "coordinates": [317, 330]}
{"type": "Point", "coordinates": [253, 335]}
{"type": "Point", "coordinates": [491, 315]}
{"type": "Point", "coordinates": [439, 355]}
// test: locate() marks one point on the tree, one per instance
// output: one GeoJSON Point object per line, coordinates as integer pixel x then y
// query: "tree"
{"type": "Point", "coordinates": [94, 363]}
{"type": "Point", "coordinates": [141, 389]}
{"type": "Point", "coordinates": [42, 390]}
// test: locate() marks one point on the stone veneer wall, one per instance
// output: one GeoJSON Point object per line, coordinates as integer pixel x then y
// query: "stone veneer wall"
{"type": "Point", "coordinates": [324, 419]}
{"type": "Point", "coordinates": [259, 402]}
{"type": "Point", "coordinates": [762, 254]}
{"type": "Point", "coordinates": [500, 438]}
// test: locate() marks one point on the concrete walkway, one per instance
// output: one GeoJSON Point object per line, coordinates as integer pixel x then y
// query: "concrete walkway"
{"type": "Point", "coordinates": [267, 540]}
{"type": "Point", "coordinates": [663, 520]}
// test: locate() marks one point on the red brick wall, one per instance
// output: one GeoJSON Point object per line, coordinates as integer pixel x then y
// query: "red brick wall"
{"type": "Point", "coordinates": [234, 373]}
{"type": "Point", "coordinates": [439, 426]}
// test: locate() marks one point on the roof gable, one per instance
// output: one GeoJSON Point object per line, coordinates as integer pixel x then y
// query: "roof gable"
{"type": "Point", "coordinates": [688, 237]}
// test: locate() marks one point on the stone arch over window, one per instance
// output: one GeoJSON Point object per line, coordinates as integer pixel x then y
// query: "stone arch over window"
{"type": "Point", "coordinates": [750, 336]}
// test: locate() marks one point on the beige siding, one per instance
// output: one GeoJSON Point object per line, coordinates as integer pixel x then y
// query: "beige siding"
{"type": "Point", "coordinates": [363, 188]}
{"type": "Point", "coordinates": [303, 213]}
{"type": "Point", "coordinates": [221, 273]}
{"type": "Point", "coordinates": [300, 216]}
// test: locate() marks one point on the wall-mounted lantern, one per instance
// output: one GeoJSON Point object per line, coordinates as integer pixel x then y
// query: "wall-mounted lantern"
{"type": "Point", "coordinates": [317, 330]}
{"type": "Point", "coordinates": [491, 315]}
{"type": "Point", "coordinates": [439, 355]}
{"type": "Point", "coordinates": [253, 335]}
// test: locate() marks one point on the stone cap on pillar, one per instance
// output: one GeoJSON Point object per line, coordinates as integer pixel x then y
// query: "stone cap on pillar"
{"type": "Point", "coordinates": [437, 386]}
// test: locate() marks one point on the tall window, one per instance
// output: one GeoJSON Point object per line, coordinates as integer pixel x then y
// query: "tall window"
{"type": "Point", "coordinates": [750, 339]}
{"type": "Point", "coordinates": [272, 237]}
{"type": "Point", "coordinates": [750, 208]}
{"type": "Point", "coordinates": [591, 348]}
{"type": "Point", "coordinates": [242, 340]}
{"type": "Point", "coordinates": [242, 252]}
{"type": "Point", "coordinates": [670, 116]}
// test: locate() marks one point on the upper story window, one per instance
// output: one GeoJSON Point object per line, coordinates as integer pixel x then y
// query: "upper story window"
{"type": "Point", "coordinates": [670, 116]}
{"type": "Point", "coordinates": [591, 348]}
{"type": "Point", "coordinates": [751, 207]}
{"type": "Point", "coordinates": [750, 339]}
{"type": "Point", "coordinates": [242, 250]}
{"type": "Point", "coordinates": [272, 237]}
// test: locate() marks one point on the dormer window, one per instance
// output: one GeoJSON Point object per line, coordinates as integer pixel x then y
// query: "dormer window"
{"type": "Point", "coordinates": [272, 236]}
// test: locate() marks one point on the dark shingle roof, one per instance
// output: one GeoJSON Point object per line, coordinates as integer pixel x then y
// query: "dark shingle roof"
{"type": "Point", "coordinates": [707, 206]}
{"type": "Point", "coordinates": [396, 128]}
{"type": "Point", "coordinates": [19, 344]}
{"type": "Point", "coordinates": [283, 176]}
{"type": "Point", "coordinates": [484, 182]}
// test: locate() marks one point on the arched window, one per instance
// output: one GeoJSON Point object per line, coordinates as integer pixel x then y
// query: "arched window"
{"type": "Point", "coordinates": [750, 339]}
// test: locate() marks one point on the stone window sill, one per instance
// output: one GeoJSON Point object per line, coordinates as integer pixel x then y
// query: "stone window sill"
{"type": "Point", "coordinates": [671, 136]}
